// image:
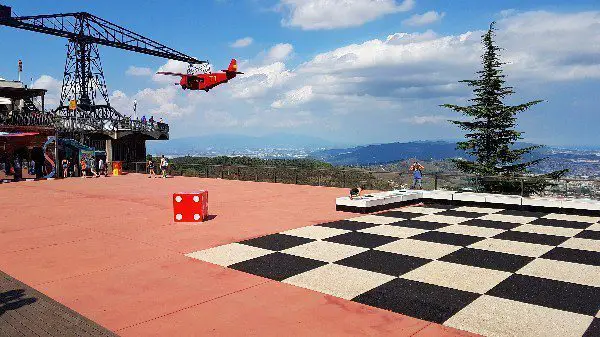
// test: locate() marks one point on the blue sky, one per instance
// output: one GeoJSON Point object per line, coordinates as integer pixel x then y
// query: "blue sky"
{"type": "Point", "coordinates": [370, 71]}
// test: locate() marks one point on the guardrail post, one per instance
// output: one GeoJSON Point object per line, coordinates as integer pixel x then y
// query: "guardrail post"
{"type": "Point", "coordinates": [435, 182]}
{"type": "Point", "coordinates": [344, 178]}
{"type": "Point", "coordinates": [296, 176]}
{"type": "Point", "coordinates": [222, 172]}
{"type": "Point", "coordinates": [206, 171]}
{"type": "Point", "coordinates": [239, 174]}
{"type": "Point", "coordinates": [275, 175]}
{"type": "Point", "coordinates": [319, 179]}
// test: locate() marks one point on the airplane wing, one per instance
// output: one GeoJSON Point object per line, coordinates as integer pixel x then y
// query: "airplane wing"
{"type": "Point", "coordinates": [170, 73]}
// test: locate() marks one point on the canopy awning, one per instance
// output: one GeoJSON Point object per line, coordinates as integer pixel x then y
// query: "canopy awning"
{"type": "Point", "coordinates": [17, 134]}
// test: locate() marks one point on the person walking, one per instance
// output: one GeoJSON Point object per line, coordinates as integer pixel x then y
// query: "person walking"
{"type": "Point", "coordinates": [417, 170]}
{"type": "Point", "coordinates": [163, 166]}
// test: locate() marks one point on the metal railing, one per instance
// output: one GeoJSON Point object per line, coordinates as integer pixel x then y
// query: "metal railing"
{"type": "Point", "coordinates": [383, 180]}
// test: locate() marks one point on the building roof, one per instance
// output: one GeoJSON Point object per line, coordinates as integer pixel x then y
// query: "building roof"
{"type": "Point", "coordinates": [20, 93]}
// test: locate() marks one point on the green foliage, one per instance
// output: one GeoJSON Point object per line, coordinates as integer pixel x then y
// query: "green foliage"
{"type": "Point", "coordinates": [490, 134]}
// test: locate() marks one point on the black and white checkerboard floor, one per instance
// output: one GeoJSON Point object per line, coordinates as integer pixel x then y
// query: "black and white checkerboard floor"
{"type": "Point", "coordinates": [489, 271]}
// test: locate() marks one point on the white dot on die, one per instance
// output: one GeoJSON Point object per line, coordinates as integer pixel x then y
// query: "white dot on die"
{"type": "Point", "coordinates": [178, 216]}
{"type": "Point", "coordinates": [196, 198]}
{"type": "Point", "coordinates": [178, 198]}
{"type": "Point", "coordinates": [196, 216]}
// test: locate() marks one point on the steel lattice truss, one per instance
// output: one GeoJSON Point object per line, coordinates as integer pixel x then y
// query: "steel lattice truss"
{"type": "Point", "coordinates": [83, 75]}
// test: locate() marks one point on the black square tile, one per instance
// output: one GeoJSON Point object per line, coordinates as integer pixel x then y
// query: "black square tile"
{"type": "Point", "coordinates": [560, 223]}
{"type": "Point", "coordinates": [488, 259]}
{"type": "Point", "coordinates": [573, 255]}
{"type": "Point", "coordinates": [277, 266]}
{"type": "Point", "coordinates": [522, 213]}
{"type": "Point", "coordinates": [594, 329]}
{"type": "Point", "coordinates": [490, 224]}
{"type": "Point", "coordinates": [593, 235]}
{"type": "Point", "coordinates": [358, 239]}
{"type": "Point", "coordinates": [400, 214]}
{"type": "Point", "coordinates": [348, 225]}
{"type": "Point", "coordinates": [461, 214]}
{"type": "Point", "coordinates": [416, 299]}
{"type": "Point", "coordinates": [448, 238]}
{"type": "Point", "coordinates": [549, 293]}
{"type": "Point", "coordinates": [276, 242]}
{"type": "Point", "coordinates": [428, 225]}
{"type": "Point", "coordinates": [438, 205]}
{"type": "Point", "coordinates": [541, 239]}
{"type": "Point", "coordinates": [383, 262]}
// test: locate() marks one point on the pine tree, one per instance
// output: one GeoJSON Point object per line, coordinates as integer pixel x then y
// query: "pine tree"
{"type": "Point", "coordinates": [490, 130]}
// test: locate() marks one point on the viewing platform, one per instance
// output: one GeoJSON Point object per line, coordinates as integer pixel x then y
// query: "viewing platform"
{"type": "Point", "coordinates": [278, 259]}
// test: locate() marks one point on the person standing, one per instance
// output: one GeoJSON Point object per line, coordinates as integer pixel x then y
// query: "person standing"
{"type": "Point", "coordinates": [65, 167]}
{"type": "Point", "coordinates": [417, 170]}
{"type": "Point", "coordinates": [163, 166]}
{"type": "Point", "coordinates": [151, 171]}
{"type": "Point", "coordinates": [83, 168]}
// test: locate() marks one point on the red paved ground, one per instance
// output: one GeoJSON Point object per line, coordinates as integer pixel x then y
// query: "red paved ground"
{"type": "Point", "coordinates": [108, 249]}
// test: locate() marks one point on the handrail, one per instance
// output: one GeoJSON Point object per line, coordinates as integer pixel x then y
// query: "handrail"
{"type": "Point", "coordinates": [377, 179]}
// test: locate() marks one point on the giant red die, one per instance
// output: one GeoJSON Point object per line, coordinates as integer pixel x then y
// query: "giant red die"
{"type": "Point", "coordinates": [190, 207]}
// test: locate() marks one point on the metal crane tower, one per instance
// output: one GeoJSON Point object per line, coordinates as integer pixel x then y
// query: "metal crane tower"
{"type": "Point", "coordinates": [83, 75]}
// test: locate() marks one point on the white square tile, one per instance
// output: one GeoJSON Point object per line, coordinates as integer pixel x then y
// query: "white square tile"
{"type": "Point", "coordinates": [229, 254]}
{"type": "Point", "coordinates": [594, 227]}
{"type": "Point", "coordinates": [339, 281]}
{"type": "Point", "coordinates": [446, 219]}
{"type": "Point", "coordinates": [512, 247]}
{"type": "Point", "coordinates": [572, 217]}
{"type": "Point", "coordinates": [315, 232]}
{"type": "Point", "coordinates": [563, 271]}
{"type": "Point", "coordinates": [457, 276]}
{"type": "Point", "coordinates": [471, 230]}
{"type": "Point", "coordinates": [376, 219]}
{"type": "Point", "coordinates": [498, 317]}
{"type": "Point", "coordinates": [418, 248]}
{"type": "Point", "coordinates": [548, 230]}
{"type": "Point", "coordinates": [481, 210]}
{"type": "Point", "coordinates": [324, 251]}
{"type": "Point", "coordinates": [393, 231]}
{"type": "Point", "coordinates": [508, 218]}
{"type": "Point", "coordinates": [582, 244]}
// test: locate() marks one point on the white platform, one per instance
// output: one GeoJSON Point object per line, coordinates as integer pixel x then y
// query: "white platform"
{"type": "Point", "coordinates": [378, 199]}
{"type": "Point", "coordinates": [397, 196]}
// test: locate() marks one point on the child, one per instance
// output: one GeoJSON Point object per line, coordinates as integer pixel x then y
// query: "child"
{"type": "Point", "coordinates": [355, 192]}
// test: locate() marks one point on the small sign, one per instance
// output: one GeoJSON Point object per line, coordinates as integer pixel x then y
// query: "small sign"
{"type": "Point", "coordinates": [72, 104]}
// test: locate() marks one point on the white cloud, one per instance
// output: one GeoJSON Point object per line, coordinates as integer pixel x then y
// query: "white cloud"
{"type": "Point", "coordinates": [54, 86]}
{"type": "Point", "coordinates": [243, 42]}
{"type": "Point", "coordinates": [330, 14]}
{"type": "Point", "coordinates": [294, 97]}
{"type": "Point", "coordinates": [138, 71]}
{"type": "Point", "coordinates": [433, 119]}
{"type": "Point", "coordinates": [279, 52]}
{"type": "Point", "coordinates": [424, 19]}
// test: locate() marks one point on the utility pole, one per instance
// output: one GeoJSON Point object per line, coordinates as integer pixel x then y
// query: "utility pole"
{"type": "Point", "coordinates": [20, 69]}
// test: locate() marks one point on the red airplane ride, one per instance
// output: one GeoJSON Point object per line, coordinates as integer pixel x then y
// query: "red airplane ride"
{"type": "Point", "coordinates": [206, 81]}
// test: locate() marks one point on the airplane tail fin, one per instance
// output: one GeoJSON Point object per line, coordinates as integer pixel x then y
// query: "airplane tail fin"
{"type": "Point", "coordinates": [233, 67]}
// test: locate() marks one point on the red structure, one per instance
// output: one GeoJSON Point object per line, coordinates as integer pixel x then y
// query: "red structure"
{"type": "Point", "coordinates": [206, 81]}
{"type": "Point", "coordinates": [190, 207]}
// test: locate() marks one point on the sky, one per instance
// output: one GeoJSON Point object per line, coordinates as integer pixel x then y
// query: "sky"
{"type": "Point", "coordinates": [354, 71]}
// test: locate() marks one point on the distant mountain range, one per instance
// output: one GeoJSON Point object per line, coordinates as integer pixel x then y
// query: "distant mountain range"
{"type": "Point", "coordinates": [391, 152]}
{"type": "Point", "coordinates": [226, 144]}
